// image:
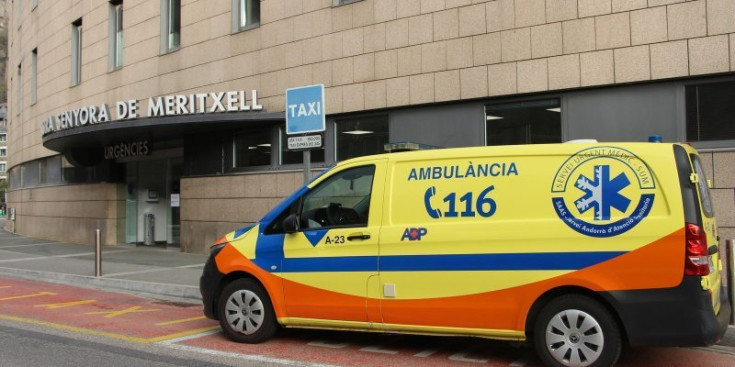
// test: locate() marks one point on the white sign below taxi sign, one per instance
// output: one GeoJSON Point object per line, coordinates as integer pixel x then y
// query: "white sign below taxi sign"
{"type": "Point", "coordinates": [305, 142]}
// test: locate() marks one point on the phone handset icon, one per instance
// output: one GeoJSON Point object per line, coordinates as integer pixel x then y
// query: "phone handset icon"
{"type": "Point", "coordinates": [434, 213]}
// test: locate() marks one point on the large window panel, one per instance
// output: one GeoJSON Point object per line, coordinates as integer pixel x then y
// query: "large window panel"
{"type": "Point", "coordinates": [253, 149]}
{"type": "Point", "coordinates": [710, 111]}
{"type": "Point", "coordinates": [531, 122]}
{"type": "Point", "coordinates": [360, 136]}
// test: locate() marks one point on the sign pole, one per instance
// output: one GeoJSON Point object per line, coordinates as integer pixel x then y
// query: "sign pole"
{"type": "Point", "coordinates": [307, 165]}
{"type": "Point", "coordinates": [305, 113]}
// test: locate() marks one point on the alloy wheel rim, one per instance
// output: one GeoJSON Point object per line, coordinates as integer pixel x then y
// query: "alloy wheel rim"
{"type": "Point", "coordinates": [244, 312]}
{"type": "Point", "coordinates": [574, 338]}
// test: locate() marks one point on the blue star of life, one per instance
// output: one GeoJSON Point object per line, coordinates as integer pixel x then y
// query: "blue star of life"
{"type": "Point", "coordinates": [602, 194]}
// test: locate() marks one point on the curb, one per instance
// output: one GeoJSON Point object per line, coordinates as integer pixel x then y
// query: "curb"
{"type": "Point", "coordinates": [183, 292]}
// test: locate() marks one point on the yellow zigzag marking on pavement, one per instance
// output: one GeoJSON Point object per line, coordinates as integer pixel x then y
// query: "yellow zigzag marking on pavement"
{"type": "Point", "coordinates": [29, 296]}
{"type": "Point", "coordinates": [110, 314]}
{"type": "Point", "coordinates": [133, 339]}
{"type": "Point", "coordinates": [52, 306]}
{"type": "Point", "coordinates": [181, 321]}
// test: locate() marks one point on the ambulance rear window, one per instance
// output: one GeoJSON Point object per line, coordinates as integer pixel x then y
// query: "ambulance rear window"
{"type": "Point", "coordinates": [702, 187]}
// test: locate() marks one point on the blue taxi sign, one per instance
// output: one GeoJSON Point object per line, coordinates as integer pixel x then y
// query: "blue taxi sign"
{"type": "Point", "coordinates": [305, 109]}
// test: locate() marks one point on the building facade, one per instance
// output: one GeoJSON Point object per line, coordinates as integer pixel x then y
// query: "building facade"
{"type": "Point", "coordinates": [162, 121]}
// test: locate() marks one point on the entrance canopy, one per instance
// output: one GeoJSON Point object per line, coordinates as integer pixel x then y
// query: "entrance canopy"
{"type": "Point", "coordinates": [83, 146]}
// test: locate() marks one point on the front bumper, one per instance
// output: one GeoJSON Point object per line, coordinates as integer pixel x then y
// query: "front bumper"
{"type": "Point", "coordinates": [209, 284]}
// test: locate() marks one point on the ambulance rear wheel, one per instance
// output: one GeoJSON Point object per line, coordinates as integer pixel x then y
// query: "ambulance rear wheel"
{"type": "Point", "coordinates": [576, 331]}
{"type": "Point", "coordinates": [246, 313]}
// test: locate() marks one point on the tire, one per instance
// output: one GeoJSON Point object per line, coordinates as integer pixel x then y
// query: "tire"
{"type": "Point", "coordinates": [575, 330]}
{"type": "Point", "coordinates": [245, 312]}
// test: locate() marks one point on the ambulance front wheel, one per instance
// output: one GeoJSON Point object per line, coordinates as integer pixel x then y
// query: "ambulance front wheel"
{"type": "Point", "coordinates": [245, 312]}
{"type": "Point", "coordinates": [577, 331]}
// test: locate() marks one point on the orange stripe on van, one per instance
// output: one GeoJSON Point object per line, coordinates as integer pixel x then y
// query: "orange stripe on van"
{"type": "Point", "coordinates": [653, 266]}
{"type": "Point", "coordinates": [657, 265]}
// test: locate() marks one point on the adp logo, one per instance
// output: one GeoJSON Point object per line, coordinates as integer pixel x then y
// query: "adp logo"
{"type": "Point", "coordinates": [414, 234]}
{"type": "Point", "coordinates": [603, 191]}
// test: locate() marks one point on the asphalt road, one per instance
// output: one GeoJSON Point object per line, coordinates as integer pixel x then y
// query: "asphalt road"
{"type": "Point", "coordinates": [27, 345]}
{"type": "Point", "coordinates": [49, 324]}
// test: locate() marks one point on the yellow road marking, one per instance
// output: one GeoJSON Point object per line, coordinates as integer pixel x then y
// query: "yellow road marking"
{"type": "Point", "coordinates": [110, 314]}
{"type": "Point", "coordinates": [128, 338]}
{"type": "Point", "coordinates": [181, 321]}
{"type": "Point", "coordinates": [52, 306]}
{"type": "Point", "coordinates": [28, 296]}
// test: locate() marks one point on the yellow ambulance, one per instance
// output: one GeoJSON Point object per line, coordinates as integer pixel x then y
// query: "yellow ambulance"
{"type": "Point", "coordinates": [576, 248]}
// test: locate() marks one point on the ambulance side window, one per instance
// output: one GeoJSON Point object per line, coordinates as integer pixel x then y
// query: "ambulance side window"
{"type": "Point", "coordinates": [342, 200]}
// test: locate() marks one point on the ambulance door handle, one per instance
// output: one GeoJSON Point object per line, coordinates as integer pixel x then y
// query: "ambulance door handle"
{"type": "Point", "coordinates": [358, 236]}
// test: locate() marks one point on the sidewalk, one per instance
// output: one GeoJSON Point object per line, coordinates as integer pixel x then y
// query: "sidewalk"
{"type": "Point", "coordinates": [156, 271]}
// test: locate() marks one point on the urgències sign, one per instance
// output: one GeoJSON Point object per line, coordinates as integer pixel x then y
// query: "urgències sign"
{"type": "Point", "coordinates": [173, 105]}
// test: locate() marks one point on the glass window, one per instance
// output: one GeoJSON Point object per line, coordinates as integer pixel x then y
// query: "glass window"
{"type": "Point", "coordinates": [3, 137]}
{"type": "Point", "coordinates": [710, 111]}
{"type": "Point", "coordinates": [703, 187]}
{"type": "Point", "coordinates": [247, 14]}
{"type": "Point", "coordinates": [42, 172]}
{"type": "Point", "coordinates": [3, 152]}
{"type": "Point", "coordinates": [34, 76]}
{"type": "Point", "coordinates": [531, 122]}
{"type": "Point", "coordinates": [69, 172]}
{"type": "Point", "coordinates": [3, 166]}
{"type": "Point", "coordinates": [14, 178]}
{"type": "Point", "coordinates": [297, 156]}
{"type": "Point", "coordinates": [18, 13]}
{"type": "Point", "coordinates": [361, 136]}
{"type": "Point", "coordinates": [343, 200]}
{"type": "Point", "coordinates": [76, 52]}
{"type": "Point", "coordinates": [252, 149]}
{"type": "Point", "coordinates": [19, 91]}
{"type": "Point", "coordinates": [170, 25]}
{"type": "Point", "coordinates": [342, 2]}
{"type": "Point", "coordinates": [116, 34]}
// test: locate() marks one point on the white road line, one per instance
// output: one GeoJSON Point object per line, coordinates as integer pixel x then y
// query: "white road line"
{"type": "Point", "coordinates": [322, 344]}
{"type": "Point", "coordinates": [378, 349]}
{"type": "Point", "coordinates": [30, 245]}
{"type": "Point", "coordinates": [720, 349]}
{"type": "Point", "coordinates": [520, 362]}
{"type": "Point", "coordinates": [425, 353]}
{"type": "Point", "coordinates": [59, 256]}
{"type": "Point", "coordinates": [246, 357]}
{"type": "Point", "coordinates": [462, 357]}
{"type": "Point", "coordinates": [152, 270]}
{"type": "Point", "coordinates": [189, 337]}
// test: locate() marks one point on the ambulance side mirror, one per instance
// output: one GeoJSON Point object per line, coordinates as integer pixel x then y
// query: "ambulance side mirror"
{"type": "Point", "coordinates": [291, 223]}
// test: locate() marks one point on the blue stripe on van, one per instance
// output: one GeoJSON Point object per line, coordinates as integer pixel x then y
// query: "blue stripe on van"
{"type": "Point", "coordinates": [524, 261]}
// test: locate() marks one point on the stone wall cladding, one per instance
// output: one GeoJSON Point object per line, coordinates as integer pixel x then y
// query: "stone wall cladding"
{"type": "Point", "coordinates": [348, 47]}
{"type": "Point", "coordinates": [69, 213]}
{"type": "Point", "coordinates": [214, 206]}
{"type": "Point", "coordinates": [370, 54]}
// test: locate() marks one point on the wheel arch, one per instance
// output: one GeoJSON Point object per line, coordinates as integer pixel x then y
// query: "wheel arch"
{"type": "Point", "coordinates": [229, 278]}
{"type": "Point", "coordinates": [551, 294]}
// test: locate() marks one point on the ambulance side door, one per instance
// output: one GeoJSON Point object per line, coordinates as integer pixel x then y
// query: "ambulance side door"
{"type": "Point", "coordinates": [328, 262]}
